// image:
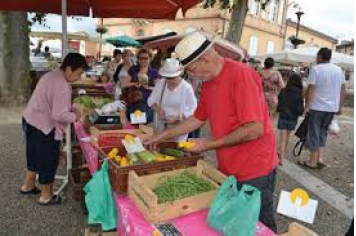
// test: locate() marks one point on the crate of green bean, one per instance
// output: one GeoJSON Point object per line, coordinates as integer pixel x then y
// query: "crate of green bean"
{"type": "Point", "coordinates": [171, 194]}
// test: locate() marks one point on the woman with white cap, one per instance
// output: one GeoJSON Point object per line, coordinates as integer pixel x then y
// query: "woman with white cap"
{"type": "Point", "coordinates": [173, 98]}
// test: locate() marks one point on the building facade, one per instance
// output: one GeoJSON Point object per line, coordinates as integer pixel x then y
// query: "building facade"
{"type": "Point", "coordinates": [346, 47]}
{"type": "Point", "coordinates": [266, 30]}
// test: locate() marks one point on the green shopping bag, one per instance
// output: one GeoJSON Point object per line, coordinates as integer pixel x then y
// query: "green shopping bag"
{"type": "Point", "coordinates": [235, 212]}
{"type": "Point", "coordinates": [99, 199]}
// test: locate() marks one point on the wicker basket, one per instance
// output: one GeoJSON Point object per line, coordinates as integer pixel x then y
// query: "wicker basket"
{"type": "Point", "coordinates": [78, 178]}
{"type": "Point", "coordinates": [119, 174]}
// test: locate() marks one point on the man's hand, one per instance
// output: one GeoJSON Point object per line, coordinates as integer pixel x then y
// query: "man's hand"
{"type": "Point", "coordinates": [152, 140]}
{"type": "Point", "coordinates": [200, 145]}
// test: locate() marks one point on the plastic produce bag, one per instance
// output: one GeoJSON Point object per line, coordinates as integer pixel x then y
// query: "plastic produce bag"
{"type": "Point", "coordinates": [334, 127]}
{"type": "Point", "coordinates": [99, 199]}
{"type": "Point", "coordinates": [235, 212]}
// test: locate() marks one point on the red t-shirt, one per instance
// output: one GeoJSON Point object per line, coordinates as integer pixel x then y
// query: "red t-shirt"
{"type": "Point", "coordinates": [234, 98]}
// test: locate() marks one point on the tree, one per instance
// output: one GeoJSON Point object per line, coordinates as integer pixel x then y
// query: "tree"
{"type": "Point", "coordinates": [14, 57]}
{"type": "Point", "coordinates": [238, 9]}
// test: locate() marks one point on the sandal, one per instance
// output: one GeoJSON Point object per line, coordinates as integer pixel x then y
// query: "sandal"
{"type": "Point", "coordinates": [321, 164]}
{"type": "Point", "coordinates": [305, 164]}
{"type": "Point", "coordinates": [33, 191]}
{"type": "Point", "coordinates": [55, 200]}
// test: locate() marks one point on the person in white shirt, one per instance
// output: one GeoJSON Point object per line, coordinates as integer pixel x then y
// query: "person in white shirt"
{"type": "Point", "coordinates": [173, 98]}
{"type": "Point", "coordinates": [325, 96]}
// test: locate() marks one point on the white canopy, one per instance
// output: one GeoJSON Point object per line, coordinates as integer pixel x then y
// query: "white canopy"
{"type": "Point", "coordinates": [308, 55]}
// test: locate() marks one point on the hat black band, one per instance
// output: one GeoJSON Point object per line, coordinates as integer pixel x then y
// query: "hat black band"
{"type": "Point", "coordinates": [192, 56]}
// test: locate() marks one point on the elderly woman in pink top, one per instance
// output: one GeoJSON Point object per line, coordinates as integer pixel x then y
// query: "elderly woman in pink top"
{"type": "Point", "coordinates": [45, 118]}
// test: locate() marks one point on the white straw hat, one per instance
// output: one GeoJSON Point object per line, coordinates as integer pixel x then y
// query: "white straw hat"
{"type": "Point", "coordinates": [171, 68]}
{"type": "Point", "coordinates": [191, 47]}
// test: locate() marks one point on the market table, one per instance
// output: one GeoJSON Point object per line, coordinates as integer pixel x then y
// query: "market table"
{"type": "Point", "coordinates": [130, 220]}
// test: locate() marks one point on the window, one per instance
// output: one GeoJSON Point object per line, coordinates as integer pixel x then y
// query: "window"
{"type": "Point", "coordinates": [190, 29]}
{"type": "Point", "coordinates": [167, 30]}
{"type": "Point", "coordinates": [255, 7]}
{"type": "Point", "coordinates": [270, 47]}
{"type": "Point", "coordinates": [140, 32]}
{"type": "Point", "coordinates": [120, 33]}
{"type": "Point", "coordinates": [281, 10]}
{"type": "Point", "coordinates": [253, 48]}
{"type": "Point", "coordinates": [272, 10]}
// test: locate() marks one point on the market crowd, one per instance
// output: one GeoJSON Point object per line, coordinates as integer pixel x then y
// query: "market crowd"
{"type": "Point", "coordinates": [181, 90]}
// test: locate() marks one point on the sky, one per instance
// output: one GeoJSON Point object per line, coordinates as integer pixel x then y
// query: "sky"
{"type": "Point", "coordinates": [332, 17]}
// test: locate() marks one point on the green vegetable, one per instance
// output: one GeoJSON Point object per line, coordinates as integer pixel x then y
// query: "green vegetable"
{"type": "Point", "coordinates": [133, 158]}
{"type": "Point", "coordinates": [145, 156]}
{"type": "Point", "coordinates": [85, 101]}
{"type": "Point", "coordinates": [172, 152]}
{"type": "Point", "coordinates": [183, 185]}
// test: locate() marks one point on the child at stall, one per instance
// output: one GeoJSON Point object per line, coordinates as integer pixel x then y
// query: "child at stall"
{"type": "Point", "coordinates": [290, 107]}
{"type": "Point", "coordinates": [105, 81]}
{"type": "Point", "coordinates": [134, 100]}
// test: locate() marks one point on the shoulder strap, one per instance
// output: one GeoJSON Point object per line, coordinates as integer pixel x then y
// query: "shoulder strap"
{"type": "Point", "coordinates": [162, 93]}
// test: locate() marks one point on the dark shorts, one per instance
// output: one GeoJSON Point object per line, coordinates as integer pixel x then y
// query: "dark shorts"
{"type": "Point", "coordinates": [286, 124]}
{"type": "Point", "coordinates": [266, 185]}
{"type": "Point", "coordinates": [318, 126]}
{"type": "Point", "coordinates": [42, 153]}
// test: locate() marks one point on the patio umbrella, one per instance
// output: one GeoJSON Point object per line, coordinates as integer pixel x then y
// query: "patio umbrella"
{"type": "Point", "coordinates": [148, 9]}
{"type": "Point", "coordinates": [123, 41]}
{"type": "Point", "coordinates": [224, 47]}
{"type": "Point", "coordinates": [144, 40]}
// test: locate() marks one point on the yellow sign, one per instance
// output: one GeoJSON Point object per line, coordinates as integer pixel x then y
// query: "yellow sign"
{"type": "Point", "coordinates": [299, 197]}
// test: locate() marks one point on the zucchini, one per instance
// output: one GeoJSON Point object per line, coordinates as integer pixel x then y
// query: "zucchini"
{"type": "Point", "coordinates": [172, 152]}
{"type": "Point", "coordinates": [133, 158]}
{"type": "Point", "coordinates": [145, 156]}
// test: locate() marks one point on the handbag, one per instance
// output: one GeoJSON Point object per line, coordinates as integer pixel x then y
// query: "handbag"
{"type": "Point", "coordinates": [301, 133]}
{"type": "Point", "coordinates": [158, 123]}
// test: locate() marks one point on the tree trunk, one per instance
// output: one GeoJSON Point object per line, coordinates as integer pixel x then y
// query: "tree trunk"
{"type": "Point", "coordinates": [14, 58]}
{"type": "Point", "coordinates": [237, 21]}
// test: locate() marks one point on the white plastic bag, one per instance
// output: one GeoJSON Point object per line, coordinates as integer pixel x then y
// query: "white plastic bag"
{"type": "Point", "coordinates": [334, 127]}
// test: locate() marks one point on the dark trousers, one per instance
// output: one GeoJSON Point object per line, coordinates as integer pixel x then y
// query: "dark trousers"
{"type": "Point", "coordinates": [350, 232]}
{"type": "Point", "coordinates": [266, 185]}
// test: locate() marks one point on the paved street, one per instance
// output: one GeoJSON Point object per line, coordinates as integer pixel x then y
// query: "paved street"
{"type": "Point", "coordinates": [332, 187]}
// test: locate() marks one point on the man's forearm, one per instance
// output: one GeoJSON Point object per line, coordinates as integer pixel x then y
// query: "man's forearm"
{"type": "Point", "coordinates": [186, 127]}
{"type": "Point", "coordinates": [309, 97]}
{"type": "Point", "coordinates": [245, 133]}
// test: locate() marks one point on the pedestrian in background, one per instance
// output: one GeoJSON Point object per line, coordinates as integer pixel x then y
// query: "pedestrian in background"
{"type": "Point", "coordinates": [290, 107]}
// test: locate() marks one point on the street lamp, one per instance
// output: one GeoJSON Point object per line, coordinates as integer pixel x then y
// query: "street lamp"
{"type": "Point", "coordinates": [294, 39]}
{"type": "Point", "coordinates": [299, 14]}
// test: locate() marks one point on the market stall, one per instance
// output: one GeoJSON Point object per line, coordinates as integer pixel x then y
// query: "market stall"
{"type": "Point", "coordinates": [189, 218]}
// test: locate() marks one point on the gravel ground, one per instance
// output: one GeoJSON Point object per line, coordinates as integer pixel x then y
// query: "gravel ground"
{"type": "Point", "coordinates": [340, 170]}
{"type": "Point", "coordinates": [23, 216]}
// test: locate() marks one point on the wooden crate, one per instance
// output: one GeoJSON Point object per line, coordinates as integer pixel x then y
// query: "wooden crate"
{"type": "Point", "coordinates": [99, 131]}
{"type": "Point", "coordinates": [78, 178]}
{"type": "Point", "coordinates": [141, 193]}
{"type": "Point", "coordinates": [296, 229]}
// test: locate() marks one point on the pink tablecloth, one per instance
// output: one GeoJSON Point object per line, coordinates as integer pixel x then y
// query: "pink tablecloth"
{"type": "Point", "coordinates": [130, 222]}
{"type": "Point", "coordinates": [89, 151]}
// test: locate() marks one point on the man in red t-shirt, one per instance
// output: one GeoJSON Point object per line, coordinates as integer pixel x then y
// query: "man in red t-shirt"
{"type": "Point", "coordinates": [232, 101]}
